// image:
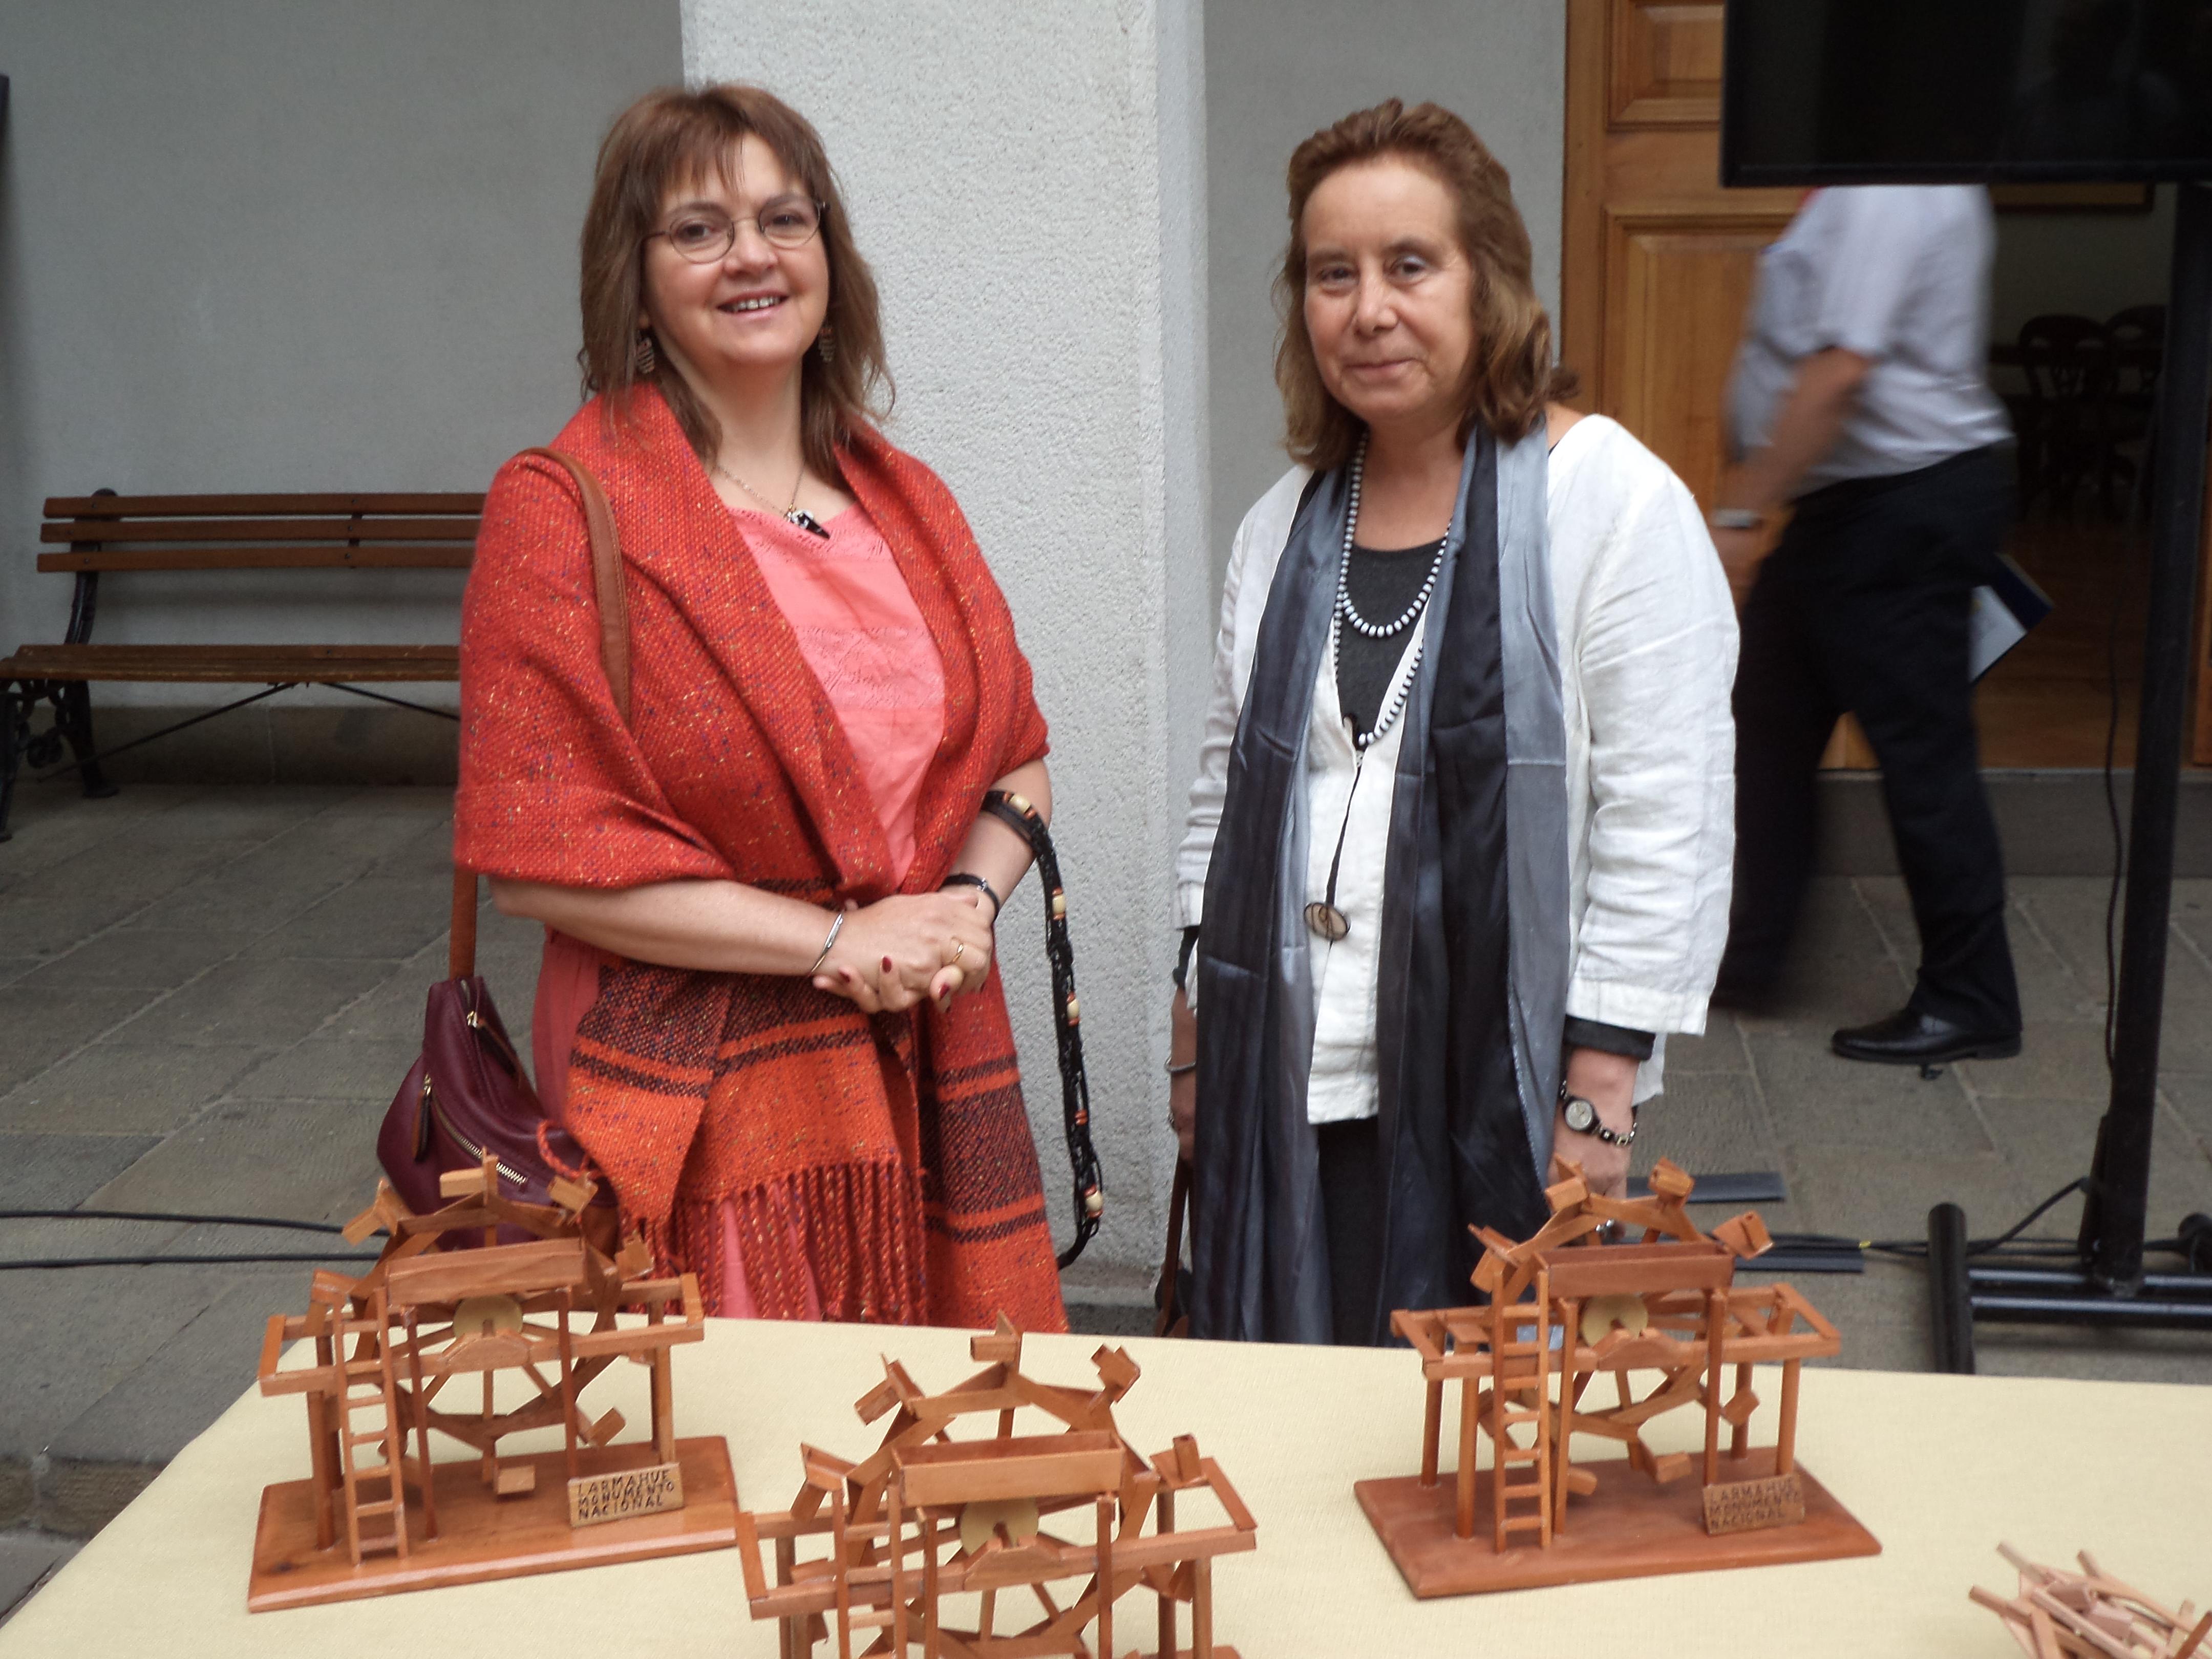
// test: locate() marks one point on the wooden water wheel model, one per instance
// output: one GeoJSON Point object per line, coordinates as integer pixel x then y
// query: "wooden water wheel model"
{"type": "Point", "coordinates": [415, 1345]}
{"type": "Point", "coordinates": [1565, 1310]}
{"type": "Point", "coordinates": [926, 1516]}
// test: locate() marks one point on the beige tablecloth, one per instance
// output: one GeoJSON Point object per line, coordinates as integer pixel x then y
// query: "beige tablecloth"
{"type": "Point", "coordinates": [1940, 1468]}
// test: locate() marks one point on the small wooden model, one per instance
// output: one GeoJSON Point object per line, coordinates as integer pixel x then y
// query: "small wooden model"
{"type": "Point", "coordinates": [2090, 1615]}
{"type": "Point", "coordinates": [370, 1520]}
{"type": "Point", "coordinates": [926, 1518]}
{"type": "Point", "coordinates": [1563, 1311]}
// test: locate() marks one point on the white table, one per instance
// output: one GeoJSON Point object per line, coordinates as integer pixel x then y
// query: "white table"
{"type": "Point", "coordinates": [1940, 1468]}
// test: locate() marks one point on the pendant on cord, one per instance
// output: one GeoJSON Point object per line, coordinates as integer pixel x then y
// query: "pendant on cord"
{"type": "Point", "coordinates": [1321, 914]}
{"type": "Point", "coordinates": [1325, 919]}
{"type": "Point", "coordinates": [808, 522]}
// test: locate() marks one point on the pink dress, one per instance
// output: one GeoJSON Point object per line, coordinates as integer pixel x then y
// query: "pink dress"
{"type": "Point", "coordinates": [864, 637]}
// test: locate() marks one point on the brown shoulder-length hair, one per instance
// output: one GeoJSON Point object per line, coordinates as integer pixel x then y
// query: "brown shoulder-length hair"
{"type": "Point", "coordinates": [1511, 374]}
{"type": "Point", "coordinates": [658, 144]}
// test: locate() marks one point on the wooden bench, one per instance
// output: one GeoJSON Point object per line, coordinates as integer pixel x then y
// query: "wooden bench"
{"type": "Point", "coordinates": [108, 532]}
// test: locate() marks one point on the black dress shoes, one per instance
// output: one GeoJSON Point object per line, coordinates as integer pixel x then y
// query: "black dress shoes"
{"type": "Point", "coordinates": [1910, 1038]}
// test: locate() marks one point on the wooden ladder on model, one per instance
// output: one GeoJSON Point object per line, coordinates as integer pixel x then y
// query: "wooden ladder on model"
{"type": "Point", "coordinates": [1520, 1370]}
{"type": "Point", "coordinates": [369, 1385]}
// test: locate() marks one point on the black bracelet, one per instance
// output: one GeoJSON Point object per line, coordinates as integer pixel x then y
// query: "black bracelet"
{"type": "Point", "coordinates": [970, 879]}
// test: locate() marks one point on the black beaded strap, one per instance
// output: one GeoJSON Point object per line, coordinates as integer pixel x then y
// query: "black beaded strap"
{"type": "Point", "coordinates": [1066, 1016]}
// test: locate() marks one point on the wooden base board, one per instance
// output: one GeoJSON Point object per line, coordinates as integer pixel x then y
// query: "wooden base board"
{"type": "Point", "coordinates": [481, 1536]}
{"type": "Point", "coordinates": [1632, 1527]}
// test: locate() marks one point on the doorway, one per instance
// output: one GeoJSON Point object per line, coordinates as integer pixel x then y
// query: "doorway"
{"type": "Point", "coordinates": [1657, 268]}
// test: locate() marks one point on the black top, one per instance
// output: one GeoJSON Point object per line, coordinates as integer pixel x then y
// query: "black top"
{"type": "Point", "coordinates": [1381, 585]}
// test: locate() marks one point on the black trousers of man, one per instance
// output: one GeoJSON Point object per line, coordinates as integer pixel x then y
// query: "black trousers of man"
{"type": "Point", "coordinates": [1863, 607]}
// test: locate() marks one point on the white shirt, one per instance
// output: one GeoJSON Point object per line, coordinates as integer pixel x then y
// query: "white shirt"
{"type": "Point", "coordinates": [1343, 1082]}
{"type": "Point", "coordinates": [1647, 653]}
{"type": "Point", "coordinates": [1899, 274]}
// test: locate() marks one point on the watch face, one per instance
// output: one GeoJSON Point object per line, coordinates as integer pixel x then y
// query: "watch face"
{"type": "Point", "coordinates": [1581, 1116]}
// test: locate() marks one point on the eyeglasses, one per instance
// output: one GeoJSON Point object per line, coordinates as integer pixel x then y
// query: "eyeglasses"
{"type": "Point", "coordinates": [702, 235]}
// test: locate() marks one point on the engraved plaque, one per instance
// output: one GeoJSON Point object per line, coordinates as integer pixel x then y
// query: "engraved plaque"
{"type": "Point", "coordinates": [593, 1499]}
{"type": "Point", "coordinates": [1750, 1506]}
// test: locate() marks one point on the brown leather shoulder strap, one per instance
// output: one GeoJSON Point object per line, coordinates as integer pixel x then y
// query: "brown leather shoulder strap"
{"type": "Point", "coordinates": [614, 658]}
{"type": "Point", "coordinates": [606, 576]}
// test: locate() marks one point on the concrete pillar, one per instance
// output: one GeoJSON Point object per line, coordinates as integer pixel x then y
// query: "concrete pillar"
{"type": "Point", "coordinates": [1028, 183]}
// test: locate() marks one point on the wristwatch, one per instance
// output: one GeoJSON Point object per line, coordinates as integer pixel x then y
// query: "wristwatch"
{"type": "Point", "coordinates": [1580, 1116]}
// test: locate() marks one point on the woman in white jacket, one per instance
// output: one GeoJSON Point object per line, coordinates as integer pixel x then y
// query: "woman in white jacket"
{"type": "Point", "coordinates": [1459, 848]}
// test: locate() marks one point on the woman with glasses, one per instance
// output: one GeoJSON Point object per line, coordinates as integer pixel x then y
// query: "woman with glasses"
{"type": "Point", "coordinates": [767, 1006]}
{"type": "Point", "coordinates": [1458, 848]}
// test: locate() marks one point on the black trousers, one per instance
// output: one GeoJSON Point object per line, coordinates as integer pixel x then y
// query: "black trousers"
{"type": "Point", "coordinates": [1351, 1219]}
{"type": "Point", "coordinates": [1863, 607]}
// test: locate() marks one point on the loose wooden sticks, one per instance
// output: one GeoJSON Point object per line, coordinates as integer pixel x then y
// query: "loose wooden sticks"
{"type": "Point", "coordinates": [2090, 1614]}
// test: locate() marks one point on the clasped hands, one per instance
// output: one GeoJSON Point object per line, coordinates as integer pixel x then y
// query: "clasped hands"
{"type": "Point", "coordinates": [891, 954]}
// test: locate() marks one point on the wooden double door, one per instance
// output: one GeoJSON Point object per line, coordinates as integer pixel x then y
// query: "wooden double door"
{"type": "Point", "coordinates": [1658, 260]}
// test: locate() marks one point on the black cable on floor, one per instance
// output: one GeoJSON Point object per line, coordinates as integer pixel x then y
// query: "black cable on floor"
{"type": "Point", "coordinates": [49, 1263]}
{"type": "Point", "coordinates": [55, 1262]}
{"type": "Point", "coordinates": [168, 1215]}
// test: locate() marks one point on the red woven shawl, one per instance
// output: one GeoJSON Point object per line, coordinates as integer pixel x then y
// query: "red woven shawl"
{"type": "Point", "coordinates": [886, 1160]}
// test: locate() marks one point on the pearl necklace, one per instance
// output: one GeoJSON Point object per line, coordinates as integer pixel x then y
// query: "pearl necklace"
{"type": "Point", "coordinates": [1344, 608]}
{"type": "Point", "coordinates": [1322, 915]}
{"type": "Point", "coordinates": [1345, 612]}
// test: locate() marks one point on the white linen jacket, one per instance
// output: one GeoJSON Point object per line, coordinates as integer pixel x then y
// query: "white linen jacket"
{"type": "Point", "coordinates": [1647, 655]}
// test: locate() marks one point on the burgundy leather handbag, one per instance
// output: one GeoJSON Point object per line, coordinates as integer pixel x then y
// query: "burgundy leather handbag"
{"type": "Point", "coordinates": [468, 1095]}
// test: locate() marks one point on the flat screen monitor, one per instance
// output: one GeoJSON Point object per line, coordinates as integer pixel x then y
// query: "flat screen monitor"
{"type": "Point", "coordinates": [1821, 92]}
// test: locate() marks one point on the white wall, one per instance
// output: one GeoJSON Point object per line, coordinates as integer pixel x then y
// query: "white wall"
{"type": "Point", "coordinates": [1277, 70]}
{"type": "Point", "coordinates": [1025, 181]}
{"type": "Point", "coordinates": [259, 244]}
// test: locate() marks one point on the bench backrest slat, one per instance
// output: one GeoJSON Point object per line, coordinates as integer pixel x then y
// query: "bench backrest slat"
{"type": "Point", "coordinates": [111, 534]}
{"type": "Point", "coordinates": [261, 532]}
{"type": "Point", "coordinates": [124, 506]}
{"type": "Point", "coordinates": [376, 555]}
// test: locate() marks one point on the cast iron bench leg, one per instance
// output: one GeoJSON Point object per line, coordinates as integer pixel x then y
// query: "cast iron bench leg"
{"type": "Point", "coordinates": [73, 719]}
{"type": "Point", "coordinates": [15, 727]}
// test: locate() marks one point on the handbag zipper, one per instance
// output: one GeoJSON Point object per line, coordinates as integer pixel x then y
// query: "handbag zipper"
{"type": "Point", "coordinates": [466, 1144]}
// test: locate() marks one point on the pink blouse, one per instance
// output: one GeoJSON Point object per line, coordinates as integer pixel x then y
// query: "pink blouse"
{"type": "Point", "coordinates": [864, 637]}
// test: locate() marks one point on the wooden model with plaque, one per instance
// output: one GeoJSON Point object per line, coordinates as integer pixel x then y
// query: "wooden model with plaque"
{"type": "Point", "coordinates": [371, 1519]}
{"type": "Point", "coordinates": [1565, 1310]}
{"type": "Point", "coordinates": [927, 1518]}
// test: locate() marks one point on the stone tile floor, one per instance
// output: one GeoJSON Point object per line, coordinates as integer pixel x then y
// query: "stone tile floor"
{"type": "Point", "coordinates": [208, 996]}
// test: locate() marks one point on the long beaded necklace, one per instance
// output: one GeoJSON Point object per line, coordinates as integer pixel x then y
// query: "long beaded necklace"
{"type": "Point", "coordinates": [1322, 914]}
{"type": "Point", "coordinates": [1346, 611]}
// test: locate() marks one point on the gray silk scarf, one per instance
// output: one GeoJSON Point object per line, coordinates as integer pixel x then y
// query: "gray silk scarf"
{"type": "Point", "coordinates": [1473, 978]}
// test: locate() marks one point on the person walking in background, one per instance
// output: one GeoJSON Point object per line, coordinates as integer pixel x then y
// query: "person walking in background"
{"type": "Point", "coordinates": [1458, 848]}
{"type": "Point", "coordinates": [1859, 402]}
{"type": "Point", "coordinates": [767, 1006]}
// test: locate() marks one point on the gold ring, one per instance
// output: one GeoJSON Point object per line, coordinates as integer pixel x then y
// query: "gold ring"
{"type": "Point", "coordinates": [959, 949]}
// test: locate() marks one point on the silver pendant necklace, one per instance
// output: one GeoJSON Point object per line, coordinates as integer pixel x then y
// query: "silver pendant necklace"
{"type": "Point", "coordinates": [791, 513]}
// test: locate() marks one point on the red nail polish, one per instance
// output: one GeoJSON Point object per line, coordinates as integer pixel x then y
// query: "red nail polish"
{"type": "Point", "coordinates": [887, 964]}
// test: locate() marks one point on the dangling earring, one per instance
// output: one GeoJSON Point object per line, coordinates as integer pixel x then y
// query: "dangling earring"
{"type": "Point", "coordinates": [826, 343]}
{"type": "Point", "coordinates": [642, 359]}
